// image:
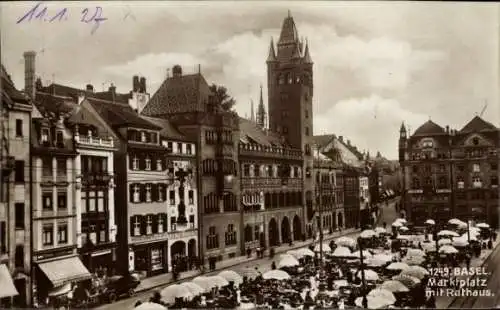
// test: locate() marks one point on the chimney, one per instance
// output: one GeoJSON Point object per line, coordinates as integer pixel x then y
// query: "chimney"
{"type": "Point", "coordinates": [29, 73]}
{"type": "Point", "coordinates": [112, 90]}
{"type": "Point", "coordinates": [349, 142]}
{"type": "Point", "coordinates": [177, 71]}
{"type": "Point", "coordinates": [142, 85]}
{"type": "Point", "coordinates": [447, 129]}
{"type": "Point", "coordinates": [341, 138]}
{"type": "Point", "coordinates": [89, 88]}
{"type": "Point", "coordinates": [135, 83]}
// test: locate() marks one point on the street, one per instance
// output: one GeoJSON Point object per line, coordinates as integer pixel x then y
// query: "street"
{"type": "Point", "coordinates": [387, 214]}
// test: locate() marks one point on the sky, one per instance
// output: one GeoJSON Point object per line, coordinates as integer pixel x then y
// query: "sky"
{"type": "Point", "coordinates": [376, 64]}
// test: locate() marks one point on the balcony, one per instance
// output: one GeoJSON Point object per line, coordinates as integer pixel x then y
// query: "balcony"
{"type": "Point", "coordinates": [94, 141]}
{"type": "Point", "coordinates": [269, 151]}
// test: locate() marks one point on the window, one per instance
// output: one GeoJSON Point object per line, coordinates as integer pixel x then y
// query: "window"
{"type": "Point", "coordinates": [136, 193]}
{"type": "Point", "coordinates": [3, 237]}
{"type": "Point", "coordinates": [460, 183]}
{"type": "Point", "coordinates": [148, 192]}
{"type": "Point", "coordinates": [179, 147]}
{"type": "Point", "coordinates": [256, 232]}
{"type": "Point", "coordinates": [137, 226]}
{"type": "Point", "coordinates": [160, 192]}
{"type": "Point", "coordinates": [171, 196]}
{"type": "Point", "coordinates": [256, 170]}
{"type": "Point", "coordinates": [102, 234]}
{"type": "Point", "coordinates": [19, 170]}
{"type": "Point", "coordinates": [428, 181]}
{"type": "Point", "coordinates": [427, 143]}
{"type": "Point", "coordinates": [47, 167]}
{"type": "Point", "coordinates": [62, 233]}
{"type": "Point", "coordinates": [297, 79]}
{"type": "Point", "coordinates": [230, 235]}
{"type": "Point", "coordinates": [61, 167]}
{"type": "Point", "coordinates": [149, 224]}
{"type": "Point", "coordinates": [494, 181]}
{"type": "Point", "coordinates": [91, 202]}
{"type": "Point", "coordinates": [48, 235]}
{"type": "Point", "coordinates": [47, 200]}
{"type": "Point", "coordinates": [476, 182]}
{"type": "Point", "coordinates": [306, 114]}
{"type": "Point", "coordinates": [59, 138]}
{"type": "Point", "coordinates": [442, 168]}
{"type": "Point", "coordinates": [281, 79]}
{"type": "Point", "coordinates": [61, 201]}
{"type": "Point", "coordinates": [19, 209]}
{"type": "Point", "coordinates": [246, 170]}
{"type": "Point", "coordinates": [148, 163]}
{"type": "Point", "coordinates": [416, 183]}
{"type": "Point", "coordinates": [212, 238]}
{"type": "Point", "coordinates": [307, 131]}
{"type": "Point", "coordinates": [100, 201]}
{"type": "Point", "coordinates": [19, 258]}
{"type": "Point", "coordinates": [285, 129]}
{"type": "Point", "coordinates": [191, 197]}
{"type": "Point", "coordinates": [173, 223]}
{"type": "Point", "coordinates": [160, 223]}
{"type": "Point", "coordinates": [19, 127]}
{"type": "Point", "coordinates": [475, 141]}
{"type": "Point", "coordinates": [44, 136]}
{"type": "Point", "coordinates": [494, 166]}
{"type": "Point", "coordinates": [135, 163]}
{"type": "Point", "coordinates": [143, 136]}
{"type": "Point", "coordinates": [158, 165]}
{"type": "Point", "coordinates": [476, 168]}
{"type": "Point", "coordinates": [290, 79]}
{"type": "Point", "coordinates": [191, 221]}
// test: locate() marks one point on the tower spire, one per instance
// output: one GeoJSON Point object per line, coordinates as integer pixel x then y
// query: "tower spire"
{"type": "Point", "coordinates": [272, 53]}
{"type": "Point", "coordinates": [252, 114]}
{"type": "Point", "coordinates": [261, 111]}
{"type": "Point", "coordinates": [307, 56]}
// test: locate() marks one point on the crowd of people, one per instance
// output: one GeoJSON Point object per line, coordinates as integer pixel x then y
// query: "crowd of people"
{"type": "Point", "coordinates": [383, 268]}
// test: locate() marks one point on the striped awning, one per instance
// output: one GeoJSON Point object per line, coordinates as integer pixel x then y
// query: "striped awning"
{"type": "Point", "coordinates": [62, 271]}
{"type": "Point", "coordinates": [7, 287]}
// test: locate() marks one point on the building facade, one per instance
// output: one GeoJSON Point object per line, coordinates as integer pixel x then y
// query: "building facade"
{"type": "Point", "coordinates": [15, 208]}
{"type": "Point", "coordinates": [449, 173]}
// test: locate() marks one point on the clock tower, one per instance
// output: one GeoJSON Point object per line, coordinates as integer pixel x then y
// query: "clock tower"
{"type": "Point", "coordinates": [139, 97]}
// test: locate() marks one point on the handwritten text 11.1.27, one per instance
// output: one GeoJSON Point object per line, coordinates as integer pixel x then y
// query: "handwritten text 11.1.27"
{"type": "Point", "coordinates": [41, 13]}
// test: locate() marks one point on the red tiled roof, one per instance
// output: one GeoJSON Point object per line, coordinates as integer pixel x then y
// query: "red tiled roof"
{"type": "Point", "coordinates": [250, 132]}
{"type": "Point", "coordinates": [168, 130]}
{"type": "Point", "coordinates": [477, 124]}
{"type": "Point", "coordinates": [429, 128]}
{"type": "Point", "coordinates": [53, 104]}
{"type": "Point", "coordinates": [73, 92]}
{"type": "Point", "coordinates": [187, 93]}
{"type": "Point", "coordinates": [322, 140]}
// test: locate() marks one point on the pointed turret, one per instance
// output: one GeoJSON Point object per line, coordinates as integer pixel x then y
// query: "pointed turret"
{"type": "Point", "coordinates": [289, 32]}
{"type": "Point", "coordinates": [402, 131]}
{"type": "Point", "coordinates": [252, 114]}
{"type": "Point", "coordinates": [272, 53]}
{"type": "Point", "coordinates": [261, 111]}
{"type": "Point", "coordinates": [307, 57]}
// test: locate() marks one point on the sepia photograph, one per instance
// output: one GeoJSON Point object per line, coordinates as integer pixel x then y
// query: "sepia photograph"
{"type": "Point", "coordinates": [258, 154]}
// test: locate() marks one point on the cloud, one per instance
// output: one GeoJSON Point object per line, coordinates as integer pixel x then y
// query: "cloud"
{"type": "Point", "coordinates": [369, 122]}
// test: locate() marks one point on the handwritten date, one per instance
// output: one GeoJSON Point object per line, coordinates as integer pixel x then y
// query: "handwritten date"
{"type": "Point", "coordinates": [41, 13]}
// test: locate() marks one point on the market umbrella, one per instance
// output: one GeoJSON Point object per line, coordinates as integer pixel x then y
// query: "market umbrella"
{"type": "Point", "coordinates": [150, 306]}
{"type": "Point", "coordinates": [326, 248]}
{"type": "Point", "coordinates": [429, 246]}
{"type": "Point", "coordinates": [385, 294]}
{"type": "Point", "coordinates": [205, 283]}
{"type": "Point", "coordinates": [370, 275]}
{"type": "Point", "coordinates": [250, 273]}
{"type": "Point", "coordinates": [342, 252]}
{"type": "Point", "coordinates": [415, 252]}
{"type": "Point", "coordinates": [447, 249]}
{"type": "Point", "coordinates": [397, 224]}
{"type": "Point", "coordinates": [194, 288]}
{"type": "Point", "coordinates": [430, 222]}
{"type": "Point", "coordinates": [382, 256]}
{"type": "Point", "coordinates": [366, 254]}
{"type": "Point", "coordinates": [459, 242]}
{"type": "Point", "coordinates": [483, 225]}
{"type": "Point", "coordinates": [416, 271]}
{"type": "Point", "coordinates": [456, 222]}
{"type": "Point", "coordinates": [403, 237]}
{"type": "Point", "coordinates": [170, 293]}
{"type": "Point", "coordinates": [304, 252]}
{"type": "Point", "coordinates": [231, 276]}
{"type": "Point", "coordinates": [413, 260]}
{"type": "Point", "coordinates": [407, 280]}
{"type": "Point", "coordinates": [401, 220]}
{"type": "Point", "coordinates": [398, 266]}
{"type": "Point", "coordinates": [218, 280]}
{"type": "Point", "coordinates": [394, 286]}
{"type": "Point", "coordinates": [403, 228]}
{"type": "Point", "coordinates": [448, 233]}
{"type": "Point", "coordinates": [345, 241]}
{"type": "Point", "coordinates": [367, 233]}
{"type": "Point", "coordinates": [374, 302]}
{"type": "Point", "coordinates": [276, 274]}
{"type": "Point", "coordinates": [444, 241]}
{"type": "Point", "coordinates": [380, 230]}
{"type": "Point", "coordinates": [288, 261]}
{"type": "Point", "coordinates": [375, 262]}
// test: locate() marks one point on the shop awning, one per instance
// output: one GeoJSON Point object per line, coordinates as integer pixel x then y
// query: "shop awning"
{"type": "Point", "coordinates": [65, 270]}
{"type": "Point", "coordinates": [6, 284]}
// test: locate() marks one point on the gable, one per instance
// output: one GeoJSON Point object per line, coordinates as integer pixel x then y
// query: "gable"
{"type": "Point", "coordinates": [476, 139]}
{"type": "Point", "coordinates": [88, 115]}
{"type": "Point", "coordinates": [346, 154]}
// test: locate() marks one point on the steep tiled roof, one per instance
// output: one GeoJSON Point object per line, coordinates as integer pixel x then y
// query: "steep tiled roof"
{"type": "Point", "coordinates": [322, 140]}
{"type": "Point", "coordinates": [120, 115]}
{"type": "Point", "coordinates": [73, 92]}
{"type": "Point", "coordinates": [9, 88]}
{"type": "Point", "coordinates": [186, 93]}
{"type": "Point", "coordinates": [168, 130]}
{"type": "Point", "coordinates": [477, 124]}
{"type": "Point", "coordinates": [251, 133]}
{"type": "Point", "coordinates": [429, 128]}
{"type": "Point", "coordinates": [288, 31]}
{"type": "Point", "coordinates": [53, 104]}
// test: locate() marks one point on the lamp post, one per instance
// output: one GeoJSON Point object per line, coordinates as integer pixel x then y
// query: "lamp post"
{"type": "Point", "coordinates": [320, 202]}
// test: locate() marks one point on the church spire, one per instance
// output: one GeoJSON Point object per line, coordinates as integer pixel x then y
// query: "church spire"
{"type": "Point", "coordinates": [307, 56]}
{"type": "Point", "coordinates": [289, 32]}
{"type": "Point", "coordinates": [272, 53]}
{"type": "Point", "coordinates": [261, 111]}
{"type": "Point", "coordinates": [252, 114]}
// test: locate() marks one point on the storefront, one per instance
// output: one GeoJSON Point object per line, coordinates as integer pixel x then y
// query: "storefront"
{"type": "Point", "coordinates": [99, 259]}
{"type": "Point", "coordinates": [151, 258]}
{"type": "Point", "coordinates": [7, 288]}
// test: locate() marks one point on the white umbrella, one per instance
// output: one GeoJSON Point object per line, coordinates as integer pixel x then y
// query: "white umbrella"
{"type": "Point", "coordinates": [416, 271]}
{"type": "Point", "coordinates": [345, 241]}
{"type": "Point", "coordinates": [398, 266]}
{"type": "Point", "coordinates": [415, 252]}
{"type": "Point", "coordinates": [403, 228]}
{"type": "Point", "coordinates": [483, 225]}
{"type": "Point", "coordinates": [382, 256]}
{"type": "Point", "coordinates": [370, 275]}
{"type": "Point", "coordinates": [194, 288]}
{"type": "Point", "coordinates": [430, 222]}
{"type": "Point", "coordinates": [385, 294]}
{"type": "Point", "coordinates": [150, 306]}
{"type": "Point", "coordinates": [366, 254]}
{"type": "Point", "coordinates": [448, 233]}
{"type": "Point", "coordinates": [218, 280]}
{"type": "Point", "coordinates": [250, 273]}
{"type": "Point", "coordinates": [447, 249]}
{"type": "Point", "coordinates": [473, 237]}
{"type": "Point", "coordinates": [407, 280]}
{"type": "Point", "coordinates": [413, 260]}
{"type": "Point", "coordinates": [231, 276]}
{"type": "Point", "coordinates": [288, 261]}
{"type": "Point", "coordinates": [170, 293]}
{"type": "Point", "coordinates": [397, 224]}
{"type": "Point", "coordinates": [342, 252]}
{"type": "Point", "coordinates": [459, 242]}
{"type": "Point", "coordinates": [403, 237]}
{"type": "Point", "coordinates": [276, 275]}
{"type": "Point", "coordinates": [429, 246]}
{"type": "Point", "coordinates": [444, 241]}
{"type": "Point", "coordinates": [380, 230]}
{"type": "Point", "coordinates": [401, 220]}
{"type": "Point", "coordinates": [326, 248]}
{"type": "Point", "coordinates": [455, 222]}
{"type": "Point", "coordinates": [368, 233]}
{"type": "Point", "coordinates": [375, 262]}
{"type": "Point", "coordinates": [373, 302]}
{"type": "Point", "coordinates": [394, 286]}
{"type": "Point", "coordinates": [204, 282]}
{"type": "Point", "coordinates": [302, 252]}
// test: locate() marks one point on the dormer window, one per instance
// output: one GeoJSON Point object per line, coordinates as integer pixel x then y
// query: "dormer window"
{"type": "Point", "coordinates": [135, 163]}
{"type": "Point", "coordinates": [143, 136]}
{"type": "Point", "coordinates": [148, 163]}
{"type": "Point", "coordinates": [45, 135]}
{"type": "Point", "coordinates": [148, 192]}
{"type": "Point", "coordinates": [158, 165]}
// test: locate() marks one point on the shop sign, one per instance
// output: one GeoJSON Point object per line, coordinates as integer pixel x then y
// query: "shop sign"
{"type": "Point", "coordinates": [156, 237]}
{"type": "Point", "coordinates": [182, 234]}
{"type": "Point", "coordinates": [415, 191]}
{"type": "Point", "coordinates": [54, 254]}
